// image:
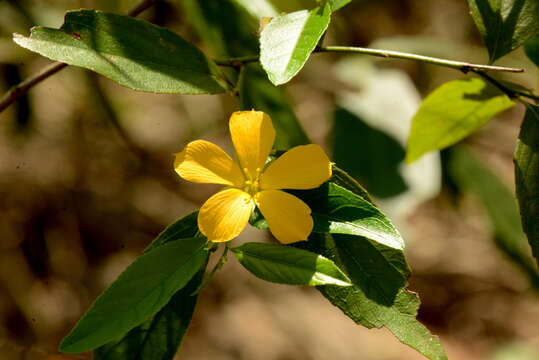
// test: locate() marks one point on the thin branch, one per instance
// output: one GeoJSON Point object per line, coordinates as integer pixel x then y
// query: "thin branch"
{"type": "Point", "coordinates": [18, 90]}
{"type": "Point", "coordinates": [512, 93]}
{"type": "Point", "coordinates": [459, 65]}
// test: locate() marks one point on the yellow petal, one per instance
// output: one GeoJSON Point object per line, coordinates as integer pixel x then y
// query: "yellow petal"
{"type": "Point", "coordinates": [289, 219]}
{"type": "Point", "coordinates": [302, 167]}
{"type": "Point", "coordinates": [225, 214]}
{"type": "Point", "coordinates": [253, 136]}
{"type": "Point", "coordinates": [203, 162]}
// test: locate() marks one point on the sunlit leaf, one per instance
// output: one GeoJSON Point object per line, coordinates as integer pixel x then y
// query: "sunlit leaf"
{"type": "Point", "coordinates": [452, 112]}
{"type": "Point", "coordinates": [132, 52]}
{"type": "Point", "coordinates": [139, 293]}
{"type": "Point", "coordinates": [287, 265]}
{"type": "Point", "coordinates": [337, 4]}
{"type": "Point", "coordinates": [505, 24]}
{"type": "Point", "coordinates": [527, 176]}
{"type": "Point", "coordinates": [288, 40]}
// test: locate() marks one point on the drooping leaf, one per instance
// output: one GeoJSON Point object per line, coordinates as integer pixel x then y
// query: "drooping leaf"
{"type": "Point", "coordinates": [452, 112]}
{"type": "Point", "coordinates": [368, 154]}
{"type": "Point", "coordinates": [378, 297]}
{"type": "Point", "coordinates": [505, 24]}
{"type": "Point", "coordinates": [500, 205]}
{"type": "Point", "coordinates": [132, 52]}
{"type": "Point", "coordinates": [288, 40]}
{"type": "Point", "coordinates": [527, 176]}
{"type": "Point", "coordinates": [139, 293]}
{"type": "Point", "coordinates": [256, 92]}
{"type": "Point", "coordinates": [159, 337]}
{"type": "Point", "coordinates": [532, 49]}
{"type": "Point", "coordinates": [287, 265]}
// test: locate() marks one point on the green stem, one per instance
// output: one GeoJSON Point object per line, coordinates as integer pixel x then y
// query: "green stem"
{"type": "Point", "coordinates": [222, 260]}
{"type": "Point", "coordinates": [459, 65]}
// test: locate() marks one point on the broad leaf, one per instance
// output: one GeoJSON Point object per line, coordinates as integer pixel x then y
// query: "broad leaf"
{"type": "Point", "coordinates": [378, 297]}
{"type": "Point", "coordinates": [256, 92]}
{"type": "Point", "coordinates": [287, 265]}
{"type": "Point", "coordinates": [288, 40]}
{"type": "Point", "coordinates": [505, 24]}
{"type": "Point", "coordinates": [500, 205]}
{"type": "Point", "coordinates": [452, 112]}
{"type": "Point", "coordinates": [368, 154]}
{"type": "Point", "coordinates": [532, 49]}
{"type": "Point", "coordinates": [159, 337]}
{"type": "Point", "coordinates": [527, 176]}
{"type": "Point", "coordinates": [138, 293]}
{"type": "Point", "coordinates": [132, 52]}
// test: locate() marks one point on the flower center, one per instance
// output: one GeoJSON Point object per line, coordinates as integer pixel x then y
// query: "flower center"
{"type": "Point", "coordinates": [251, 186]}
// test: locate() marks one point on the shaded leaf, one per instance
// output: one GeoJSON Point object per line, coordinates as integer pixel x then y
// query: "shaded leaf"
{"type": "Point", "coordinates": [337, 4]}
{"type": "Point", "coordinates": [224, 20]}
{"type": "Point", "coordinates": [288, 40]}
{"type": "Point", "coordinates": [505, 24]}
{"type": "Point", "coordinates": [532, 49]}
{"type": "Point", "coordinates": [527, 176]}
{"type": "Point", "coordinates": [256, 92]}
{"type": "Point", "coordinates": [500, 205]}
{"type": "Point", "coordinates": [184, 227]}
{"type": "Point", "coordinates": [138, 293]}
{"type": "Point", "coordinates": [452, 112]}
{"type": "Point", "coordinates": [132, 52]}
{"type": "Point", "coordinates": [287, 265]}
{"type": "Point", "coordinates": [159, 337]}
{"type": "Point", "coordinates": [368, 154]}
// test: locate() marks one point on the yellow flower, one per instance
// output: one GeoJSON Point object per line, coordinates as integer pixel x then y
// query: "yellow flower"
{"type": "Point", "coordinates": [225, 214]}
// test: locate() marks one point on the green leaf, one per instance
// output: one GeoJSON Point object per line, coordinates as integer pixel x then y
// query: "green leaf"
{"type": "Point", "coordinates": [505, 24]}
{"type": "Point", "coordinates": [452, 112]}
{"type": "Point", "coordinates": [216, 22]}
{"type": "Point", "coordinates": [139, 293]}
{"type": "Point", "coordinates": [378, 297]}
{"type": "Point", "coordinates": [368, 154]}
{"type": "Point", "coordinates": [288, 40]}
{"type": "Point", "coordinates": [500, 205]}
{"type": "Point", "coordinates": [531, 47]}
{"type": "Point", "coordinates": [184, 227]}
{"type": "Point", "coordinates": [336, 210]}
{"type": "Point", "coordinates": [159, 337]}
{"type": "Point", "coordinates": [337, 4]}
{"type": "Point", "coordinates": [287, 265]}
{"type": "Point", "coordinates": [527, 176]}
{"type": "Point", "coordinates": [256, 92]}
{"type": "Point", "coordinates": [132, 52]}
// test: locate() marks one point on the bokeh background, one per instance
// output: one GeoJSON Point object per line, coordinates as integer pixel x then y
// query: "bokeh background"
{"type": "Point", "coordinates": [86, 182]}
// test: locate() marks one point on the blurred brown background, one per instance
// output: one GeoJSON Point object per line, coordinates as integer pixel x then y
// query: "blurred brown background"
{"type": "Point", "coordinates": [86, 182]}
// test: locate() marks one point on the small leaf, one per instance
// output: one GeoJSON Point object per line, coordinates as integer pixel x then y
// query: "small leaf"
{"type": "Point", "coordinates": [531, 47]}
{"type": "Point", "coordinates": [288, 40]}
{"type": "Point", "coordinates": [527, 176]}
{"type": "Point", "coordinates": [337, 4]}
{"type": "Point", "coordinates": [505, 24]}
{"type": "Point", "coordinates": [132, 52]}
{"type": "Point", "coordinates": [159, 337]}
{"type": "Point", "coordinates": [138, 293]}
{"type": "Point", "coordinates": [287, 265]}
{"type": "Point", "coordinates": [452, 112]}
